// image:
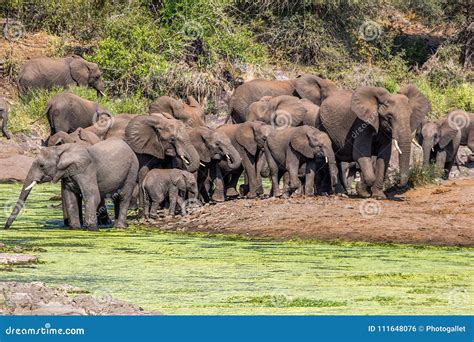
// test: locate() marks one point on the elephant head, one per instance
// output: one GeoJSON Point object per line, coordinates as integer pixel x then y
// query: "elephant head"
{"type": "Point", "coordinates": [190, 112]}
{"type": "Point", "coordinates": [159, 135]}
{"type": "Point", "coordinates": [191, 185]}
{"type": "Point", "coordinates": [312, 143]}
{"type": "Point", "coordinates": [279, 111]}
{"type": "Point", "coordinates": [252, 135]}
{"type": "Point", "coordinates": [86, 74]}
{"type": "Point", "coordinates": [314, 88]}
{"type": "Point", "coordinates": [52, 164]}
{"type": "Point", "coordinates": [436, 134]}
{"type": "Point", "coordinates": [396, 114]}
{"type": "Point", "coordinates": [212, 144]}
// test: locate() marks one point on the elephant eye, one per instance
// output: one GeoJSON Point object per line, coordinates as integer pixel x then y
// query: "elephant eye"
{"type": "Point", "coordinates": [41, 166]}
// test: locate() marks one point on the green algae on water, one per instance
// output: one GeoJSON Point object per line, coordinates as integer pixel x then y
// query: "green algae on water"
{"type": "Point", "coordinates": [202, 274]}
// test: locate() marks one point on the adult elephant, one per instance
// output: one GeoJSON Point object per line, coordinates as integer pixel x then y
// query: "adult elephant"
{"type": "Point", "coordinates": [67, 112]}
{"type": "Point", "coordinates": [190, 112]}
{"type": "Point", "coordinates": [284, 111]}
{"type": "Point", "coordinates": [249, 139]}
{"type": "Point", "coordinates": [105, 128]}
{"type": "Point", "coordinates": [4, 118]}
{"type": "Point", "coordinates": [364, 123]}
{"type": "Point", "coordinates": [440, 141]}
{"type": "Point", "coordinates": [87, 174]}
{"type": "Point", "coordinates": [290, 148]}
{"type": "Point", "coordinates": [47, 73]}
{"type": "Point", "coordinates": [304, 86]}
{"type": "Point", "coordinates": [212, 147]}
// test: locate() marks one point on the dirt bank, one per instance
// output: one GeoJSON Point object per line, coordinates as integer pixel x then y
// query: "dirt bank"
{"type": "Point", "coordinates": [435, 215]}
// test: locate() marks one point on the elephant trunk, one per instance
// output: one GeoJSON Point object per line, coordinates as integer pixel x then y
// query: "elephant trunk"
{"type": "Point", "coordinates": [333, 170]}
{"type": "Point", "coordinates": [427, 146]}
{"type": "Point", "coordinates": [404, 144]}
{"type": "Point", "coordinates": [233, 157]}
{"type": "Point", "coordinates": [187, 152]}
{"type": "Point", "coordinates": [99, 87]}
{"type": "Point", "coordinates": [25, 191]}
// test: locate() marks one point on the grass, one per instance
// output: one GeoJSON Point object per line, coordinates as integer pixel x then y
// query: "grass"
{"type": "Point", "coordinates": [214, 274]}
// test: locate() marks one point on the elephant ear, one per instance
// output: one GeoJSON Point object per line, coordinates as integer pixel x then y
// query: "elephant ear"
{"type": "Point", "coordinates": [198, 138]}
{"type": "Point", "coordinates": [191, 101]}
{"type": "Point", "coordinates": [419, 104]}
{"type": "Point", "coordinates": [166, 104]}
{"type": "Point", "coordinates": [245, 136]}
{"type": "Point", "coordinates": [447, 133]}
{"type": "Point", "coordinates": [314, 88]}
{"type": "Point", "coordinates": [365, 104]}
{"type": "Point", "coordinates": [79, 71]}
{"type": "Point", "coordinates": [290, 106]}
{"type": "Point", "coordinates": [73, 159]}
{"type": "Point", "coordinates": [300, 142]}
{"type": "Point", "coordinates": [177, 179]}
{"type": "Point", "coordinates": [141, 135]}
{"type": "Point", "coordinates": [88, 136]}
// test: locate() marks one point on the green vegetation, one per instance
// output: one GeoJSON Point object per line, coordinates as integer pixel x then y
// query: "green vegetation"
{"type": "Point", "coordinates": [201, 274]}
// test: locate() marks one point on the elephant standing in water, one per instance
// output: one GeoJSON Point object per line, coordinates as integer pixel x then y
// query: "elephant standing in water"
{"type": "Point", "coordinates": [47, 73]}
{"type": "Point", "coordinates": [190, 112]}
{"type": "Point", "coordinates": [364, 123]}
{"type": "Point", "coordinates": [4, 118]}
{"type": "Point", "coordinates": [304, 86]}
{"type": "Point", "coordinates": [88, 174]}
{"type": "Point", "coordinates": [290, 148]}
{"type": "Point", "coordinates": [67, 112]}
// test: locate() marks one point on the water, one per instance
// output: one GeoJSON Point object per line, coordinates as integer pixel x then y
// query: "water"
{"type": "Point", "coordinates": [199, 274]}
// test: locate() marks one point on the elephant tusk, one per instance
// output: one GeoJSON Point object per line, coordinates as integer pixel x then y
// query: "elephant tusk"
{"type": "Point", "coordinates": [185, 160]}
{"type": "Point", "coordinates": [101, 93]}
{"type": "Point", "coordinates": [60, 141]}
{"type": "Point", "coordinates": [202, 164]}
{"type": "Point", "coordinates": [228, 157]}
{"type": "Point", "coordinates": [395, 142]}
{"type": "Point", "coordinates": [31, 185]}
{"type": "Point", "coordinates": [326, 159]}
{"type": "Point", "coordinates": [432, 149]}
{"type": "Point", "coordinates": [416, 144]}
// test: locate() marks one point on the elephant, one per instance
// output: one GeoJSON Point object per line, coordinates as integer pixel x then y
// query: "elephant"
{"type": "Point", "coordinates": [284, 111]}
{"type": "Point", "coordinates": [175, 184]}
{"type": "Point", "coordinates": [440, 141]}
{"type": "Point", "coordinates": [363, 123]}
{"type": "Point", "coordinates": [288, 149]}
{"type": "Point", "coordinates": [107, 127]}
{"type": "Point", "coordinates": [212, 147]}
{"type": "Point", "coordinates": [47, 73]}
{"type": "Point", "coordinates": [304, 86]}
{"type": "Point", "coordinates": [249, 140]}
{"type": "Point", "coordinates": [67, 112]}
{"type": "Point", "coordinates": [4, 118]}
{"type": "Point", "coordinates": [190, 112]}
{"type": "Point", "coordinates": [88, 173]}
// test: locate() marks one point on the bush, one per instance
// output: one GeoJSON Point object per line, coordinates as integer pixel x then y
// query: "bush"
{"type": "Point", "coordinates": [423, 175]}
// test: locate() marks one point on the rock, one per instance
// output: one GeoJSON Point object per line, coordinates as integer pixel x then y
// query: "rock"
{"type": "Point", "coordinates": [17, 259]}
{"type": "Point", "coordinates": [15, 167]}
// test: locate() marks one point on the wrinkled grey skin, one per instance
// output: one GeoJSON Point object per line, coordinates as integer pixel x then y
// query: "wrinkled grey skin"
{"type": "Point", "coordinates": [289, 148]}
{"type": "Point", "coordinates": [46, 73]}
{"type": "Point", "coordinates": [213, 146]}
{"type": "Point", "coordinates": [284, 111]}
{"type": "Point", "coordinates": [67, 112]}
{"type": "Point", "coordinates": [88, 174]}
{"type": "Point", "coordinates": [248, 139]}
{"type": "Point", "coordinates": [177, 185]}
{"type": "Point", "coordinates": [364, 123]}
{"type": "Point", "coordinates": [4, 118]}
{"type": "Point", "coordinates": [304, 86]}
{"type": "Point", "coordinates": [107, 127]}
{"type": "Point", "coordinates": [190, 112]}
{"type": "Point", "coordinates": [440, 142]}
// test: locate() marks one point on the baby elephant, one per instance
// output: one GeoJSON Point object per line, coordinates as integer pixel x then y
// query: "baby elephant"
{"type": "Point", "coordinates": [4, 118]}
{"type": "Point", "coordinates": [175, 184]}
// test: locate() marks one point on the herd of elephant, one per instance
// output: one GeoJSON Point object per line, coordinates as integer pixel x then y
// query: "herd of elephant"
{"type": "Point", "coordinates": [306, 130]}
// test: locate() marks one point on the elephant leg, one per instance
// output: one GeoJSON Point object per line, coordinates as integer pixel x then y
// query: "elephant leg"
{"type": "Point", "coordinates": [218, 180]}
{"type": "Point", "coordinates": [181, 204]}
{"type": "Point", "coordinates": [261, 164]}
{"type": "Point", "coordinates": [146, 204]}
{"type": "Point", "coordinates": [362, 153]}
{"type": "Point", "coordinates": [64, 207]}
{"type": "Point", "coordinates": [249, 164]}
{"type": "Point", "coordinates": [231, 188]}
{"type": "Point", "coordinates": [102, 215]}
{"type": "Point", "coordinates": [123, 200]}
{"type": "Point", "coordinates": [344, 176]}
{"type": "Point", "coordinates": [91, 196]}
{"type": "Point", "coordinates": [441, 162]}
{"type": "Point", "coordinates": [381, 166]}
{"type": "Point", "coordinates": [272, 165]}
{"type": "Point", "coordinates": [292, 166]}
{"type": "Point", "coordinates": [5, 131]}
{"type": "Point", "coordinates": [173, 196]}
{"type": "Point", "coordinates": [309, 178]}
{"type": "Point", "coordinates": [141, 176]}
{"type": "Point", "coordinates": [73, 208]}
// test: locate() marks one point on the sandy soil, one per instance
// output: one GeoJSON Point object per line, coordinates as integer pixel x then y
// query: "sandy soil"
{"type": "Point", "coordinates": [435, 215]}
